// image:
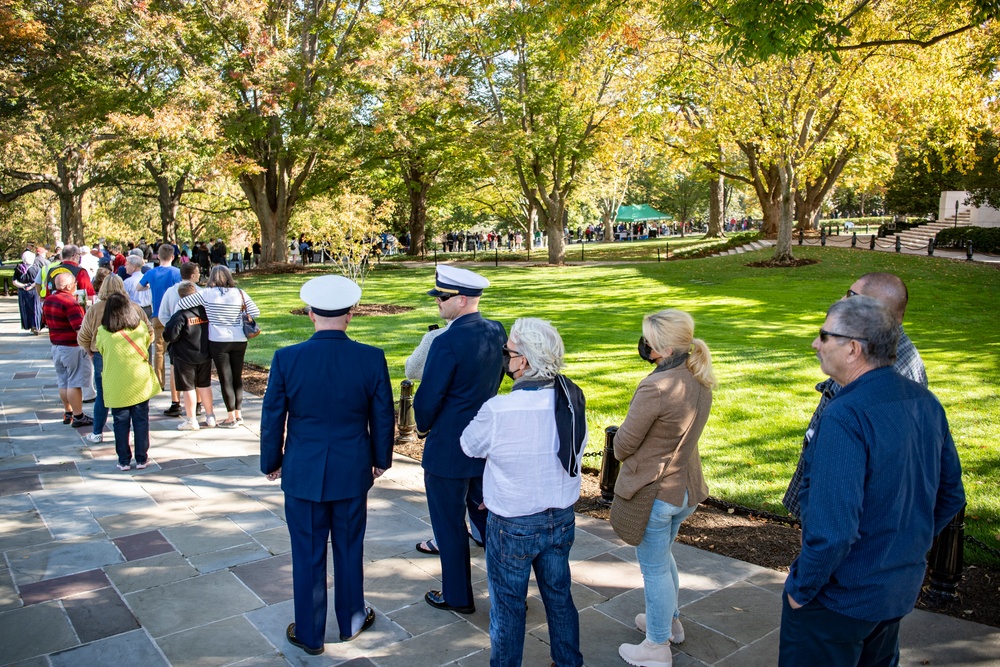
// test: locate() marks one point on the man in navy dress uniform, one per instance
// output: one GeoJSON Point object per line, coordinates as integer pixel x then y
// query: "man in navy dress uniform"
{"type": "Point", "coordinates": [463, 370]}
{"type": "Point", "coordinates": [333, 397]}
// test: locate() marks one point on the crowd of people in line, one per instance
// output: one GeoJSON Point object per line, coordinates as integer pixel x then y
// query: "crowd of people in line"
{"type": "Point", "coordinates": [114, 319]}
{"type": "Point", "coordinates": [878, 476]}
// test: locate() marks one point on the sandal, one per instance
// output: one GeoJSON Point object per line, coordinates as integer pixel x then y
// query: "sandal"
{"type": "Point", "coordinates": [428, 547]}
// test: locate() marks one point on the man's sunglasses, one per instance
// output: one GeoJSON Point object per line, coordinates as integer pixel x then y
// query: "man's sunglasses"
{"type": "Point", "coordinates": [824, 334]}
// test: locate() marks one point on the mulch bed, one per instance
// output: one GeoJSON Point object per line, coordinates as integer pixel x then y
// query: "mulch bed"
{"type": "Point", "coordinates": [367, 310]}
{"type": "Point", "coordinates": [772, 264]}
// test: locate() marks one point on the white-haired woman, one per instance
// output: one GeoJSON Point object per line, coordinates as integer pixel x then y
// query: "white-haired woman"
{"type": "Point", "coordinates": [27, 297]}
{"type": "Point", "coordinates": [532, 440]}
{"type": "Point", "coordinates": [658, 444]}
{"type": "Point", "coordinates": [227, 344]}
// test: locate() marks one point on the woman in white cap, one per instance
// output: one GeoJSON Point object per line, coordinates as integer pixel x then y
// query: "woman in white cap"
{"type": "Point", "coordinates": [227, 344]}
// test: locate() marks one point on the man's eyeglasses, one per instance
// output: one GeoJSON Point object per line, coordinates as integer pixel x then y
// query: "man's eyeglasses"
{"type": "Point", "coordinates": [512, 353]}
{"type": "Point", "coordinates": [824, 334]}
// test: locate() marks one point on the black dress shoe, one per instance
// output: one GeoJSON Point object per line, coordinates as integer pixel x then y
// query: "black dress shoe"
{"type": "Point", "coordinates": [436, 600]}
{"type": "Point", "coordinates": [294, 641]}
{"type": "Point", "coordinates": [369, 622]}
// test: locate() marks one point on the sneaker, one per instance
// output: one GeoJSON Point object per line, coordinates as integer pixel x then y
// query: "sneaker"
{"type": "Point", "coordinates": [124, 466]}
{"type": "Point", "coordinates": [83, 420]}
{"type": "Point", "coordinates": [94, 438]}
{"type": "Point", "coordinates": [173, 411]}
{"type": "Point", "coordinates": [198, 410]}
{"type": "Point", "coordinates": [647, 654]}
{"type": "Point", "coordinates": [210, 421]}
{"type": "Point", "coordinates": [676, 629]}
{"type": "Point", "coordinates": [239, 421]}
{"type": "Point", "coordinates": [141, 466]}
{"type": "Point", "coordinates": [67, 418]}
{"type": "Point", "coordinates": [228, 424]}
{"type": "Point", "coordinates": [189, 425]}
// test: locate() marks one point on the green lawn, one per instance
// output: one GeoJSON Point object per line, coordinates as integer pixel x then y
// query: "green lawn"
{"type": "Point", "coordinates": [759, 324]}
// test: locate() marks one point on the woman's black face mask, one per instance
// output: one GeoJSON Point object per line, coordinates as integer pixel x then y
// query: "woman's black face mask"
{"type": "Point", "coordinates": [645, 351]}
{"type": "Point", "coordinates": [506, 364]}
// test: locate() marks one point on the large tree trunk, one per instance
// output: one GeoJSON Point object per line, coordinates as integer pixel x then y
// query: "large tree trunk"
{"type": "Point", "coordinates": [272, 213]}
{"type": "Point", "coordinates": [551, 213]}
{"type": "Point", "coordinates": [808, 199]}
{"type": "Point", "coordinates": [716, 207]}
{"type": "Point", "coordinates": [169, 199]}
{"type": "Point", "coordinates": [783, 247]}
{"type": "Point", "coordinates": [71, 189]}
{"type": "Point", "coordinates": [417, 186]}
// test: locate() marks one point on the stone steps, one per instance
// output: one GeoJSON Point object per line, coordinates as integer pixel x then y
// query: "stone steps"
{"type": "Point", "coordinates": [920, 235]}
{"type": "Point", "coordinates": [748, 247]}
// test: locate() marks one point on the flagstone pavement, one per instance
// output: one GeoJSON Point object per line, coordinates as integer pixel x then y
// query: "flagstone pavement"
{"type": "Point", "coordinates": [187, 562]}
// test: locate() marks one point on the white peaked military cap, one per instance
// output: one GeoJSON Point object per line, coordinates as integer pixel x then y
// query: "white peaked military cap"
{"type": "Point", "coordinates": [452, 281]}
{"type": "Point", "coordinates": [330, 296]}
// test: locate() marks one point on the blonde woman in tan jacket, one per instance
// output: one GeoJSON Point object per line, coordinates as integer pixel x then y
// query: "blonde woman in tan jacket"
{"type": "Point", "coordinates": [87, 339]}
{"type": "Point", "coordinates": [658, 444]}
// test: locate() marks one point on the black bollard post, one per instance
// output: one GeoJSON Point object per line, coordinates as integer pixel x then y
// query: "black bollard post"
{"type": "Point", "coordinates": [871, 246]}
{"type": "Point", "coordinates": [838, 229]}
{"type": "Point", "coordinates": [854, 240]}
{"type": "Point", "coordinates": [496, 256]}
{"type": "Point", "coordinates": [609, 467]}
{"type": "Point", "coordinates": [930, 247]}
{"type": "Point", "coordinates": [801, 233]}
{"type": "Point", "coordinates": [945, 562]}
{"type": "Point", "coordinates": [435, 256]}
{"type": "Point", "coordinates": [968, 251]}
{"type": "Point", "coordinates": [657, 255]}
{"type": "Point", "coordinates": [583, 250]}
{"type": "Point", "coordinates": [822, 235]}
{"type": "Point", "coordinates": [407, 425]}
{"type": "Point", "coordinates": [899, 244]}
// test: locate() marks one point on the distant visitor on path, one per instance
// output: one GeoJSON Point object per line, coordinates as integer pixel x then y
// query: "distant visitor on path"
{"type": "Point", "coordinates": [464, 369]}
{"type": "Point", "coordinates": [881, 477]}
{"type": "Point", "coordinates": [533, 440]}
{"type": "Point", "coordinates": [891, 292]}
{"type": "Point", "coordinates": [64, 317]}
{"type": "Point", "coordinates": [327, 431]}
{"type": "Point", "coordinates": [661, 469]}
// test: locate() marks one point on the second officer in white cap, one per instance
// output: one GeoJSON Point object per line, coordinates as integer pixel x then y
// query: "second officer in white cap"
{"type": "Point", "coordinates": [463, 370]}
{"type": "Point", "coordinates": [327, 432]}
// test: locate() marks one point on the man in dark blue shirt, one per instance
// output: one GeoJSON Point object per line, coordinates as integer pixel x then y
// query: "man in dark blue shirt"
{"type": "Point", "coordinates": [881, 479]}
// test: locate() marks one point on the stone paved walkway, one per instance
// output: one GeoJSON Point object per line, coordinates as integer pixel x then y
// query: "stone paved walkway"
{"type": "Point", "coordinates": [187, 562]}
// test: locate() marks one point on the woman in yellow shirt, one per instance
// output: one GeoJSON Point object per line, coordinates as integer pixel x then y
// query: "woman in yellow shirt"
{"type": "Point", "coordinates": [128, 379]}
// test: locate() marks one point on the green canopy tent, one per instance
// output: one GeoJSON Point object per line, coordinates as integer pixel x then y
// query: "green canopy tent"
{"type": "Point", "coordinates": [639, 213]}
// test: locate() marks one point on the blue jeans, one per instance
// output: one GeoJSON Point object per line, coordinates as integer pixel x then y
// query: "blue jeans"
{"type": "Point", "coordinates": [814, 635]}
{"type": "Point", "coordinates": [517, 545]}
{"type": "Point", "coordinates": [138, 416]}
{"type": "Point", "coordinates": [100, 410]}
{"type": "Point", "coordinates": [659, 569]}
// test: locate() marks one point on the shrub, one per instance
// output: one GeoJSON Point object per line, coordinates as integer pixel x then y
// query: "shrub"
{"type": "Point", "coordinates": [984, 239]}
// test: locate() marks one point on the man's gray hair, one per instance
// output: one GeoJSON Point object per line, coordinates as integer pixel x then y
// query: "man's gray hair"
{"type": "Point", "coordinates": [134, 260]}
{"type": "Point", "coordinates": [69, 251]}
{"type": "Point", "coordinates": [135, 251]}
{"type": "Point", "coordinates": [540, 344]}
{"type": "Point", "coordinates": [869, 319]}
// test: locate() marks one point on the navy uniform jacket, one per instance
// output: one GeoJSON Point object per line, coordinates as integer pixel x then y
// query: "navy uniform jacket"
{"type": "Point", "coordinates": [464, 369]}
{"type": "Point", "coordinates": [336, 398]}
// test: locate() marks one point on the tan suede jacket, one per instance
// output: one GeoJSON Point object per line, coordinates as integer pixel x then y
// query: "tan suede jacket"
{"type": "Point", "coordinates": [87, 336]}
{"type": "Point", "coordinates": [659, 437]}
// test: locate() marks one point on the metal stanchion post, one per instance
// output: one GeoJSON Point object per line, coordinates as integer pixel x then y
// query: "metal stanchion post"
{"type": "Point", "coordinates": [496, 256]}
{"type": "Point", "coordinates": [609, 467]}
{"type": "Point", "coordinates": [801, 234]}
{"type": "Point", "coordinates": [406, 423]}
{"type": "Point", "coordinates": [854, 240]}
{"type": "Point", "coordinates": [899, 244]}
{"type": "Point", "coordinates": [435, 256]}
{"type": "Point", "coordinates": [583, 251]}
{"type": "Point", "coordinates": [930, 247]}
{"type": "Point", "coordinates": [945, 562]}
{"type": "Point", "coordinates": [871, 246]}
{"type": "Point", "coordinates": [822, 235]}
{"type": "Point", "coordinates": [968, 251]}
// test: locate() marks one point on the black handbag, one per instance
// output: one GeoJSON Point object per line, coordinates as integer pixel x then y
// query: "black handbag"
{"type": "Point", "coordinates": [250, 327]}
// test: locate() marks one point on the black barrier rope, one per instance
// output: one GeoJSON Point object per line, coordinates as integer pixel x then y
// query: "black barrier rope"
{"type": "Point", "coordinates": [979, 544]}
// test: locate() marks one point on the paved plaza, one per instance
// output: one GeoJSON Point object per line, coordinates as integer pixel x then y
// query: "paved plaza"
{"type": "Point", "coordinates": [188, 563]}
